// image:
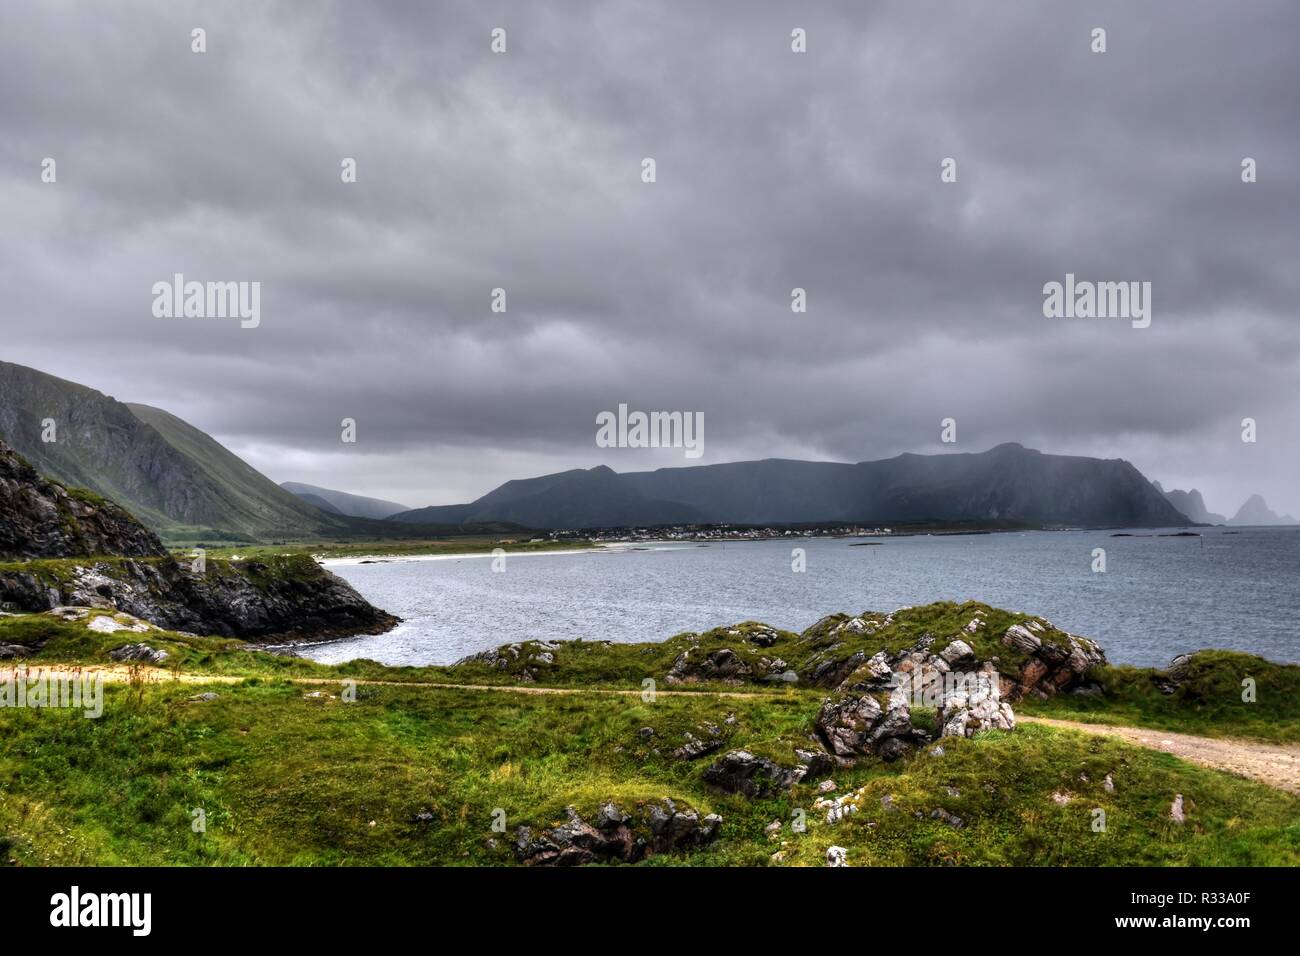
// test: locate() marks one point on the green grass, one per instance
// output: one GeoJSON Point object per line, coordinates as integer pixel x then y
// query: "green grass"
{"type": "Point", "coordinates": [1207, 701]}
{"type": "Point", "coordinates": [289, 780]}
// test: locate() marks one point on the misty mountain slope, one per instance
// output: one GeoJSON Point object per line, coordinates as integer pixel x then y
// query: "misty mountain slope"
{"type": "Point", "coordinates": [318, 502]}
{"type": "Point", "coordinates": [1013, 483]}
{"type": "Point", "coordinates": [1255, 511]}
{"type": "Point", "coordinates": [1008, 483]}
{"type": "Point", "coordinates": [774, 490]}
{"type": "Point", "coordinates": [239, 497]}
{"type": "Point", "coordinates": [173, 477]}
{"type": "Point", "coordinates": [340, 502]}
{"type": "Point", "coordinates": [593, 498]}
{"type": "Point", "coordinates": [1191, 504]}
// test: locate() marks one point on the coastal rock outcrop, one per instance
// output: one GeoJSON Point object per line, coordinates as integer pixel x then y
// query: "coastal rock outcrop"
{"type": "Point", "coordinates": [280, 598]}
{"type": "Point", "coordinates": [124, 567]}
{"type": "Point", "coordinates": [1051, 667]}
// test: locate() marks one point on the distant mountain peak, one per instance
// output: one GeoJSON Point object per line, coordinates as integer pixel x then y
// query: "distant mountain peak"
{"type": "Point", "coordinates": [1191, 504]}
{"type": "Point", "coordinates": [1256, 511]}
{"type": "Point", "coordinates": [342, 502]}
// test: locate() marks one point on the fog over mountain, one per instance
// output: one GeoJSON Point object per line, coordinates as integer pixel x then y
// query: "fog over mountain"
{"type": "Point", "coordinates": [1009, 484]}
{"type": "Point", "coordinates": [775, 170]}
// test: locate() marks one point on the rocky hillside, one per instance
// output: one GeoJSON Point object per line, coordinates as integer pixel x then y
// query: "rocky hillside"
{"type": "Point", "coordinates": [40, 518]}
{"type": "Point", "coordinates": [62, 547]}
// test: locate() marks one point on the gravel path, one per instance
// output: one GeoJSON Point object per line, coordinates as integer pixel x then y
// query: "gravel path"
{"type": "Point", "coordinates": [1274, 764]}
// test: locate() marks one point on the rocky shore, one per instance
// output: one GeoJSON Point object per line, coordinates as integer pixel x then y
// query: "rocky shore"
{"type": "Point", "coordinates": [63, 547]}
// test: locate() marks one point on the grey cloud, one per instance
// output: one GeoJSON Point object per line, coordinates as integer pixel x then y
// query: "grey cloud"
{"type": "Point", "coordinates": [775, 171]}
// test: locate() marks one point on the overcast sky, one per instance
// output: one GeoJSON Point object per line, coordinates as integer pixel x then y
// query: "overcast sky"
{"type": "Point", "coordinates": [775, 170]}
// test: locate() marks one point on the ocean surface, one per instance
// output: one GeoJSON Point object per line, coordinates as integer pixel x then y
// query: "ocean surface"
{"type": "Point", "coordinates": [1159, 596]}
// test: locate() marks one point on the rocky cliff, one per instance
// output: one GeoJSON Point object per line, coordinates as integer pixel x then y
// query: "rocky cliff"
{"type": "Point", "coordinates": [62, 547]}
{"type": "Point", "coordinates": [40, 518]}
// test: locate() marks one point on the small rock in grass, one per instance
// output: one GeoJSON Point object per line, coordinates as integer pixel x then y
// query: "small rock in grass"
{"type": "Point", "coordinates": [1176, 810]}
{"type": "Point", "coordinates": [826, 786]}
{"type": "Point", "coordinates": [951, 819]}
{"type": "Point", "coordinates": [837, 856]}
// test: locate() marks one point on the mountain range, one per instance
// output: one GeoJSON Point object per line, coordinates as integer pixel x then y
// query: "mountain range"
{"type": "Point", "coordinates": [1009, 484]}
{"type": "Point", "coordinates": [185, 486]}
{"type": "Point", "coordinates": [1254, 512]}
{"type": "Point", "coordinates": [340, 502]}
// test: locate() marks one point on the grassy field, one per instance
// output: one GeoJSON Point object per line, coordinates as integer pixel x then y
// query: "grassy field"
{"type": "Point", "coordinates": [414, 776]}
{"type": "Point", "coordinates": [288, 773]}
{"type": "Point", "coordinates": [1208, 700]}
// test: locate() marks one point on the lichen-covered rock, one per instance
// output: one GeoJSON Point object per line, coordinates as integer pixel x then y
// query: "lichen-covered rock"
{"type": "Point", "coordinates": [975, 704]}
{"type": "Point", "coordinates": [138, 652]}
{"type": "Point", "coordinates": [613, 835]}
{"type": "Point", "coordinates": [854, 726]}
{"type": "Point", "coordinates": [1050, 667]}
{"type": "Point", "coordinates": [722, 666]}
{"type": "Point", "coordinates": [739, 771]}
{"type": "Point", "coordinates": [710, 739]}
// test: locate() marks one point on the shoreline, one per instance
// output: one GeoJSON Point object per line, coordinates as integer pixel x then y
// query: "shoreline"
{"type": "Point", "coordinates": [613, 547]}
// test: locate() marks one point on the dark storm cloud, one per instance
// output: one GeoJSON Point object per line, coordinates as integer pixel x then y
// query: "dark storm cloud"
{"type": "Point", "coordinates": [775, 170]}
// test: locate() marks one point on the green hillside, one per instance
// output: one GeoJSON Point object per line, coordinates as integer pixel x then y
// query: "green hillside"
{"type": "Point", "coordinates": [173, 477]}
{"type": "Point", "coordinates": [242, 499]}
